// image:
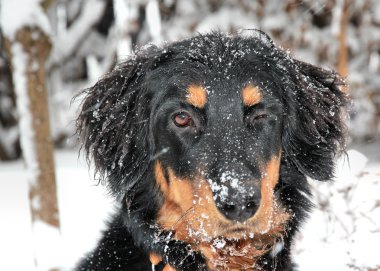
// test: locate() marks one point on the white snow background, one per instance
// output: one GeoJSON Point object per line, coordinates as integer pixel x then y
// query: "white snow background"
{"type": "Point", "coordinates": [342, 233]}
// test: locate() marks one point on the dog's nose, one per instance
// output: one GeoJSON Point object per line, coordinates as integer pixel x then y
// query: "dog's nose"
{"type": "Point", "coordinates": [239, 208]}
{"type": "Point", "coordinates": [236, 193]}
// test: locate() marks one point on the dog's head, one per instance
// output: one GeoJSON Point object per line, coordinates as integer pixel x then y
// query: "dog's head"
{"type": "Point", "coordinates": [193, 135]}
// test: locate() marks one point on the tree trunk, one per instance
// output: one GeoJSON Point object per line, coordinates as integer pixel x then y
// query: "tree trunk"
{"type": "Point", "coordinates": [43, 192]}
{"type": "Point", "coordinates": [29, 51]}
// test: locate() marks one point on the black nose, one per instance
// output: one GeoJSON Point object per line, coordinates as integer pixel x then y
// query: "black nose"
{"type": "Point", "coordinates": [236, 191]}
{"type": "Point", "coordinates": [239, 208]}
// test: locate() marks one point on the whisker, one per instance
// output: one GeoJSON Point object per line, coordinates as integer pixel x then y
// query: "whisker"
{"type": "Point", "coordinates": [161, 152]}
{"type": "Point", "coordinates": [183, 216]}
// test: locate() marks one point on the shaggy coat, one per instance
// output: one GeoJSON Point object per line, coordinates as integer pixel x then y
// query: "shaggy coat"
{"type": "Point", "coordinates": [207, 144]}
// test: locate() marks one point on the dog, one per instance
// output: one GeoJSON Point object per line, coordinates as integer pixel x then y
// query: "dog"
{"type": "Point", "coordinates": [206, 144]}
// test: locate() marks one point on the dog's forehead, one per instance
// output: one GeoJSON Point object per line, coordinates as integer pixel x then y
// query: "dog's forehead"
{"type": "Point", "coordinates": [223, 96]}
{"type": "Point", "coordinates": [227, 93]}
{"type": "Point", "coordinates": [224, 70]}
{"type": "Point", "coordinates": [233, 85]}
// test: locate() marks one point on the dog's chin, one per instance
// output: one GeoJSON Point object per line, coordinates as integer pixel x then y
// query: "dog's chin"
{"type": "Point", "coordinates": [231, 234]}
{"type": "Point", "coordinates": [245, 233]}
{"type": "Point", "coordinates": [234, 248]}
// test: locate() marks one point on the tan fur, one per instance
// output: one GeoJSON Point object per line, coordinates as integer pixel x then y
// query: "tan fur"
{"type": "Point", "coordinates": [196, 96]}
{"type": "Point", "coordinates": [251, 95]}
{"type": "Point", "coordinates": [189, 211]}
{"type": "Point", "coordinates": [155, 259]}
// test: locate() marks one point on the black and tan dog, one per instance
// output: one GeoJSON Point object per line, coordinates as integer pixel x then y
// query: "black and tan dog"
{"type": "Point", "coordinates": [207, 143]}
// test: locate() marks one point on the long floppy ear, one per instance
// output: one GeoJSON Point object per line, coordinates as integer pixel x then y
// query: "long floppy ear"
{"type": "Point", "coordinates": [314, 129]}
{"type": "Point", "coordinates": [113, 126]}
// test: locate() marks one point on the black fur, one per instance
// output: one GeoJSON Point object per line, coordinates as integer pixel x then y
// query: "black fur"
{"type": "Point", "coordinates": [124, 131]}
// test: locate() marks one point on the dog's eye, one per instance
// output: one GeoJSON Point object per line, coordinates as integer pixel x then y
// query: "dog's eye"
{"type": "Point", "coordinates": [260, 117]}
{"type": "Point", "coordinates": [256, 118]}
{"type": "Point", "coordinates": [182, 120]}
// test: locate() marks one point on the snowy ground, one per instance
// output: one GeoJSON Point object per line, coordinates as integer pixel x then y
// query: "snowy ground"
{"type": "Point", "coordinates": [83, 207]}
{"type": "Point", "coordinates": [342, 234]}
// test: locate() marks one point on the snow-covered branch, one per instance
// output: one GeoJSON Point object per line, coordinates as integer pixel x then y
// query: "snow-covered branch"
{"type": "Point", "coordinates": [66, 42]}
{"type": "Point", "coordinates": [15, 14]}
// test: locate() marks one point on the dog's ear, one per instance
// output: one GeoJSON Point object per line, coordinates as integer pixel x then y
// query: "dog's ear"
{"type": "Point", "coordinates": [314, 129]}
{"type": "Point", "coordinates": [113, 124]}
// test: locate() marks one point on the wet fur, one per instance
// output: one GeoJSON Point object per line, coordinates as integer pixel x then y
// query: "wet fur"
{"type": "Point", "coordinates": [115, 128]}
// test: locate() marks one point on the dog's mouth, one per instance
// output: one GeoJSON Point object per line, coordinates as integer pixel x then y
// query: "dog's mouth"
{"type": "Point", "coordinates": [239, 248]}
{"type": "Point", "coordinates": [237, 232]}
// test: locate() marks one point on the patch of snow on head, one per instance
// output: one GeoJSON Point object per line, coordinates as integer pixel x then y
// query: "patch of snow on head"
{"type": "Point", "coordinates": [218, 189]}
{"type": "Point", "coordinates": [236, 182]}
{"type": "Point", "coordinates": [230, 182]}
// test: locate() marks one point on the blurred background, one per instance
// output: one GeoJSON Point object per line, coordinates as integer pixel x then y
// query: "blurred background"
{"type": "Point", "coordinates": [51, 206]}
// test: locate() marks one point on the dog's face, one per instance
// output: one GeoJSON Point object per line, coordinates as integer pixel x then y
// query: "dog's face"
{"type": "Point", "coordinates": [217, 151]}
{"type": "Point", "coordinates": [208, 137]}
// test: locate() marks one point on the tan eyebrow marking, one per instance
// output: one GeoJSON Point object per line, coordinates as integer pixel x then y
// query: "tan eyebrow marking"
{"type": "Point", "coordinates": [196, 96]}
{"type": "Point", "coordinates": [251, 95]}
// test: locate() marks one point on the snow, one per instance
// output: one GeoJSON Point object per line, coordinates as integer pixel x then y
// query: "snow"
{"type": "Point", "coordinates": [125, 17]}
{"type": "Point", "coordinates": [19, 62]}
{"type": "Point", "coordinates": [15, 14]}
{"type": "Point", "coordinates": [346, 226]}
{"type": "Point", "coordinates": [337, 17]}
{"type": "Point", "coordinates": [83, 207]}
{"type": "Point", "coordinates": [219, 243]}
{"type": "Point", "coordinates": [65, 42]}
{"type": "Point", "coordinates": [15, 226]}
{"type": "Point", "coordinates": [154, 20]}
{"type": "Point", "coordinates": [45, 239]}
{"type": "Point", "coordinates": [376, 12]}
{"type": "Point", "coordinates": [225, 19]}
{"type": "Point", "coordinates": [345, 232]}
{"type": "Point", "coordinates": [8, 137]}
{"type": "Point", "coordinates": [221, 190]}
